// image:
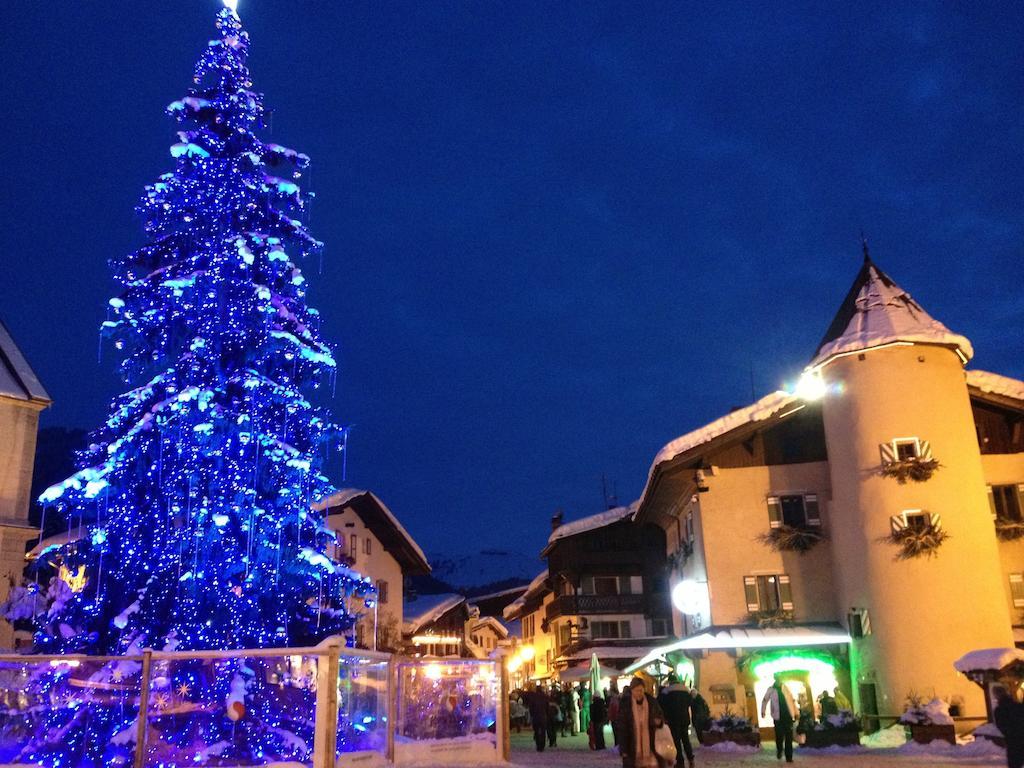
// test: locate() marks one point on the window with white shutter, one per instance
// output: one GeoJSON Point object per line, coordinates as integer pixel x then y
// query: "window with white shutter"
{"type": "Point", "coordinates": [1017, 589]}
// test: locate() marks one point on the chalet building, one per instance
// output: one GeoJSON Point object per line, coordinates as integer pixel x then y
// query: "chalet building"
{"type": "Point", "coordinates": [372, 542]}
{"type": "Point", "coordinates": [864, 530]}
{"type": "Point", "coordinates": [448, 626]}
{"type": "Point", "coordinates": [22, 397]}
{"type": "Point", "coordinates": [604, 591]}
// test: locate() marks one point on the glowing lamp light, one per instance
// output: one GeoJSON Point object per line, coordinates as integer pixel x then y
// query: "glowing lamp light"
{"type": "Point", "coordinates": [231, 5]}
{"type": "Point", "coordinates": [433, 671]}
{"type": "Point", "coordinates": [688, 597]}
{"type": "Point", "coordinates": [527, 653]}
{"type": "Point", "coordinates": [810, 386]}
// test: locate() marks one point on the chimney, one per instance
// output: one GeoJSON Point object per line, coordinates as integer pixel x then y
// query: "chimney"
{"type": "Point", "coordinates": [556, 520]}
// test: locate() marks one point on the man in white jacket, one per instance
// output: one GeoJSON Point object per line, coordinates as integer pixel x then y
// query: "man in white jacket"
{"type": "Point", "coordinates": [783, 711]}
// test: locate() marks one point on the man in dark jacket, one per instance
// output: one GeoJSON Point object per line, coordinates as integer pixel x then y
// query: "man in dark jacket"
{"type": "Point", "coordinates": [598, 717]}
{"type": "Point", "coordinates": [677, 703]}
{"type": "Point", "coordinates": [537, 703]}
{"type": "Point", "coordinates": [1009, 718]}
{"type": "Point", "coordinates": [701, 714]}
{"type": "Point", "coordinates": [639, 715]}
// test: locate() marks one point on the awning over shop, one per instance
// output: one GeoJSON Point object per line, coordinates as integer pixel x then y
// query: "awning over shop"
{"type": "Point", "coordinates": [748, 637]}
{"type": "Point", "coordinates": [583, 673]}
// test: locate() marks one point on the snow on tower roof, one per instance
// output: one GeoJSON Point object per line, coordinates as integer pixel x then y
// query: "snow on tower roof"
{"type": "Point", "coordinates": [994, 384]}
{"type": "Point", "coordinates": [988, 659]}
{"type": "Point", "coordinates": [592, 522]}
{"type": "Point", "coordinates": [17, 379]}
{"type": "Point", "coordinates": [877, 312]}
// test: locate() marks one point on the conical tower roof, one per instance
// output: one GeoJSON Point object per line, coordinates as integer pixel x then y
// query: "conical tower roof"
{"type": "Point", "coordinates": [876, 312]}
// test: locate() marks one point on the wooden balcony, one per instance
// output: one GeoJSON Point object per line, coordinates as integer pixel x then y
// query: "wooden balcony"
{"type": "Point", "coordinates": [586, 605]}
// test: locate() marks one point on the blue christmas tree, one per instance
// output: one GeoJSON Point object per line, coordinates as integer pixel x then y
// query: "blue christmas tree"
{"type": "Point", "coordinates": [189, 520]}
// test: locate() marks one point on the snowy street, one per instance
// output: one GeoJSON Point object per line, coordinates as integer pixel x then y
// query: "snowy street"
{"type": "Point", "coordinates": [573, 753]}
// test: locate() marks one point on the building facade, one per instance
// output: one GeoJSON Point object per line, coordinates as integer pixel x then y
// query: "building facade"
{"type": "Point", "coordinates": [862, 531]}
{"type": "Point", "coordinates": [370, 540]}
{"type": "Point", "coordinates": [22, 398]}
{"type": "Point", "coordinates": [605, 592]}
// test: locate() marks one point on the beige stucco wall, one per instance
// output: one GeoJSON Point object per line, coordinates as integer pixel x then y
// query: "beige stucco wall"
{"type": "Point", "coordinates": [19, 422]}
{"type": "Point", "coordinates": [1007, 469]}
{"type": "Point", "coordinates": [379, 565]}
{"type": "Point", "coordinates": [733, 513]}
{"type": "Point", "coordinates": [924, 612]}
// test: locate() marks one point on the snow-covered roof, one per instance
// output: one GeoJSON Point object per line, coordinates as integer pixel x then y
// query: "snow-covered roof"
{"type": "Point", "coordinates": [748, 637]}
{"type": "Point", "coordinates": [426, 609]}
{"type": "Point", "coordinates": [536, 587]}
{"type": "Point", "coordinates": [17, 379]}
{"type": "Point", "coordinates": [876, 312]}
{"type": "Point", "coordinates": [383, 524]}
{"type": "Point", "coordinates": [763, 409]}
{"type": "Point", "coordinates": [994, 384]}
{"type": "Point", "coordinates": [592, 523]}
{"type": "Point", "coordinates": [988, 659]}
{"type": "Point", "coordinates": [492, 622]}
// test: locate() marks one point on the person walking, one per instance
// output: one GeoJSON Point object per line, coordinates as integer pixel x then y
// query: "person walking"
{"type": "Point", "coordinates": [585, 699]}
{"type": "Point", "coordinates": [574, 712]}
{"type": "Point", "coordinates": [565, 705]}
{"type": "Point", "coordinates": [537, 704]}
{"type": "Point", "coordinates": [701, 715]}
{"type": "Point", "coordinates": [614, 702]}
{"type": "Point", "coordinates": [554, 717]}
{"type": "Point", "coordinates": [780, 701]}
{"type": "Point", "coordinates": [1009, 719]}
{"type": "Point", "coordinates": [677, 704]}
{"type": "Point", "coordinates": [639, 716]}
{"type": "Point", "coordinates": [598, 717]}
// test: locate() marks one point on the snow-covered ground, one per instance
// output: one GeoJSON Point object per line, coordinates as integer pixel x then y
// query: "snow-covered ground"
{"type": "Point", "coordinates": [574, 753]}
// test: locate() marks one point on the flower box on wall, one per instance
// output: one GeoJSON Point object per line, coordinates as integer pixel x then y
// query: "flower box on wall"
{"type": "Point", "coordinates": [743, 738]}
{"type": "Point", "coordinates": [925, 734]}
{"type": "Point", "coordinates": [831, 737]}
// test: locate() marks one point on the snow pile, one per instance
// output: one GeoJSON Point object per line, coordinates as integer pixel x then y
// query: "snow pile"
{"type": "Point", "coordinates": [972, 749]}
{"type": "Point", "coordinates": [887, 738]}
{"type": "Point", "coordinates": [988, 730]}
{"type": "Point", "coordinates": [731, 747]}
{"type": "Point", "coordinates": [593, 522]}
{"type": "Point", "coordinates": [995, 384]}
{"type": "Point", "coordinates": [935, 712]}
{"type": "Point", "coordinates": [884, 313]}
{"type": "Point", "coordinates": [988, 659]}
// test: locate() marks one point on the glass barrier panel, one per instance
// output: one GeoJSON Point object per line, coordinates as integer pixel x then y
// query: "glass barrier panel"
{"type": "Point", "coordinates": [447, 712]}
{"type": "Point", "coordinates": [362, 710]}
{"type": "Point", "coordinates": [238, 711]}
{"type": "Point", "coordinates": [69, 712]}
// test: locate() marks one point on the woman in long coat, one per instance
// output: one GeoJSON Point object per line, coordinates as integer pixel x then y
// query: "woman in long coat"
{"type": "Point", "coordinates": [639, 716]}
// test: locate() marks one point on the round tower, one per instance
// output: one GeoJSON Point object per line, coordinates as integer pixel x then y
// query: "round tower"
{"type": "Point", "coordinates": [896, 404]}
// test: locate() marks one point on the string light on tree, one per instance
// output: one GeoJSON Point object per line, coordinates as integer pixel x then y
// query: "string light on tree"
{"type": "Point", "coordinates": [189, 518]}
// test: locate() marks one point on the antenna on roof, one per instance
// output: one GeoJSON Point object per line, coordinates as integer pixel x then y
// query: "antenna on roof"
{"type": "Point", "coordinates": [864, 245]}
{"type": "Point", "coordinates": [610, 499]}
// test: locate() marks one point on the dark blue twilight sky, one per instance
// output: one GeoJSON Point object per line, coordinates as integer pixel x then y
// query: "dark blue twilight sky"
{"type": "Point", "coordinates": [559, 234]}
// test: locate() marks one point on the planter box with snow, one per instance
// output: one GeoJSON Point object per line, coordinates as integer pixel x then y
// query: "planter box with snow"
{"type": "Point", "coordinates": [831, 737]}
{"type": "Point", "coordinates": [925, 734]}
{"type": "Point", "coordinates": [744, 738]}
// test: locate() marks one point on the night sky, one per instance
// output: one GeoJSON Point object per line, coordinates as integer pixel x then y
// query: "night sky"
{"type": "Point", "coordinates": [558, 234]}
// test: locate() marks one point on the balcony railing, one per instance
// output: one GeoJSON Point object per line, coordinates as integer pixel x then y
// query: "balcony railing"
{"type": "Point", "coordinates": [577, 605]}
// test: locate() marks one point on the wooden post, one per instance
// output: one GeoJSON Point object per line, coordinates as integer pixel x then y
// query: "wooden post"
{"type": "Point", "coordinates": [325, 739]}
{"type": "Point", "coordinates": [503, 712]}
{"type": "Point", "coordinates": [392, 703]}
{"type": "Point", "coordinates": [142, 725]}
